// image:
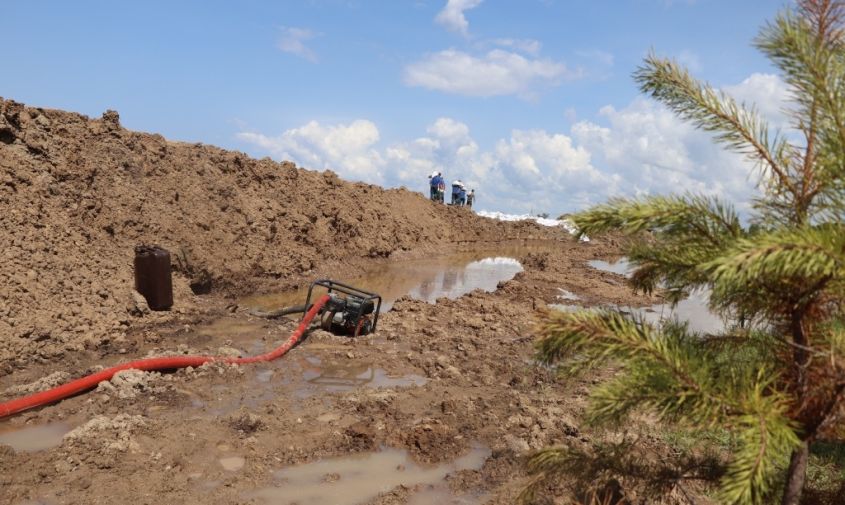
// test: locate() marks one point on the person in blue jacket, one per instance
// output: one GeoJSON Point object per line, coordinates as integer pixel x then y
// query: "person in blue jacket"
{"type": "Point", "coordinates": [456, 191]}
{"type": "Point", "coordinates": [434, 181]}
{"type": "Point", "coordinates": [462, 196]}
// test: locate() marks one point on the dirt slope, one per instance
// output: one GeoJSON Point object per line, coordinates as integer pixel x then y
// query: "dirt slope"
{"type": "Point", "coordinates": [77, 194]}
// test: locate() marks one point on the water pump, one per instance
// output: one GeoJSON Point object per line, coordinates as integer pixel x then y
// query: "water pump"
{"type": "Point", "coordinates": [349, 311]}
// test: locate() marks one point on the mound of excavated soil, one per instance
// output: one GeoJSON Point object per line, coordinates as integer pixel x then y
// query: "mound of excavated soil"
{"type": "Point", "coordinates": [77, 194]}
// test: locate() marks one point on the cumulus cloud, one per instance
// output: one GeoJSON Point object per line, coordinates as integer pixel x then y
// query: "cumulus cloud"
{"type": "Point", "coordinates": [292, 40]}
{"type": "Point", "coordinates": [529, 170]}
{"type": "Point", "coordinates": [452, 15]}
{"type": "Point", "coordinates": [498, 72]}
{"type": "Point", "coordinates": [638, 149]}
{"type": "Point", "coordinates": [654, 152]}
{"type": "Point", "coordinates": [768, 93]}
{"type": "Point", "coordinates": [547, 168]}
{"type": "Point", "coordinates": [345, 148]}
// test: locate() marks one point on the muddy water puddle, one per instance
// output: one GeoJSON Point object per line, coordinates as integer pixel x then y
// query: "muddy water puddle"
{"type": "Point", "coordinates": [247, 335]}
{"type": "Point", "coordinates": [620, 266]}
{"type": "Point", "coordinates": [351, 480]}
{"type": "Point", "coordinates": [335, 376]}
{"type": "Point", "coordinates": [427, 279]}
{"type": "Point", "coordinates": [301, 376]}
{"type": "Point", "coordinates": [34, 438]}
{"type": "Point", "coordinates": [693, 309]}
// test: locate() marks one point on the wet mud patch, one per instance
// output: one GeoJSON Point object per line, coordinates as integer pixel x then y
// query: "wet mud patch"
{"type": "Point", "coordinates": [360, 478]}
{"type": "Point", "coordinates": [693, 310]}
{"type": "Point", "coordinates": [335, 375]}
{"type": "Point", "coordinates": [34, 438]}
{"type": "Point", "coordinates": [448, 276]}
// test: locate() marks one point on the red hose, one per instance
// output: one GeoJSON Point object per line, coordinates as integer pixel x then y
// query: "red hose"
{"type": "Point", "coordinates": [165, 363]}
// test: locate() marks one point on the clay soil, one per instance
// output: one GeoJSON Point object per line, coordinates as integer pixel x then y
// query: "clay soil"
{"type": "Point", "coordinates": [77, 194]}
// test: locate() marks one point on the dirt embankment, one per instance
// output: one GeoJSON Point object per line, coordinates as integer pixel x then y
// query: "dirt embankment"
{"type": "Point", "coordinates": [77, 194]}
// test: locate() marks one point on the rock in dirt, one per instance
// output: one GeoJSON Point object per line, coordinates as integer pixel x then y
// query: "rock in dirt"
{"type": "Point", "coordinates": [246, 422]}
{"type": "Point", "coordinates": [107, 434]}
{"type": "Point", "coordinates": [128, 384]}
{"type": "Point", "coordinates": [42, 384]}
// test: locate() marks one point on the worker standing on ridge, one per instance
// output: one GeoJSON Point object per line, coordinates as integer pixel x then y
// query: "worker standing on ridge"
{"type": "Point", "coordinates": [456, 191]}
{"type": "Point", "coordinates": [470, 198]}
{"type": "Point", "coordinates": [437, 186]}
{"type": "Point", "coordinates": [462, 196]}
{"type": "Point", "coordinates": [441, 188]}
{"type": "Point", "coordinates": [433, 185]}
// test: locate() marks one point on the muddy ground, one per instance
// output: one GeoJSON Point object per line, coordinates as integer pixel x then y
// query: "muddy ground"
{"type": "Point", "coordinates": [78, 194]}
{"type": "Point", "coordinates": [440, 405]}
{"type": "Point", "coordinates": [435, 380]}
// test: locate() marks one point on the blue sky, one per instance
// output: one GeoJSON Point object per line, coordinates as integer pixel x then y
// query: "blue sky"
{"type": "Point", "coordinates": [531, 101]}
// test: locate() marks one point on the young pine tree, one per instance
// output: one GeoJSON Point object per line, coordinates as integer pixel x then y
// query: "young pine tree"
{"type": "Point", "coordinates": [777, 381]}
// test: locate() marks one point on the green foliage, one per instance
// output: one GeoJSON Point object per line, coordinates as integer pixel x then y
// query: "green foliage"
{"type": "Point", "coordinates": [827, 467]}
{"type": "Point", "coordinates": [777, 381]}
{"type": "Point", "coordinates": [691, 229]}
{"type": "Point", "coordinates": [597, 470]}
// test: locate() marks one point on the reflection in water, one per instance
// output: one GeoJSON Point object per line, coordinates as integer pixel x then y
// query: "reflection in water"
{"type": "Point", "coordinates": [450, 279]}
{"type": "Point", "coordinates": [345, 375]}
{"type": "Point", "coordinates": [359, 478]}
{"type": "Point", "coordinates": [428, 279]}
{"type": "Point", "coordinates": [34, 438]}
{"type": "Point", "coordinates": [692, 309]}
{"type": "Point", "coordinates": [620, 266]}
{"type": "Point", "coordinates": [232, 463]}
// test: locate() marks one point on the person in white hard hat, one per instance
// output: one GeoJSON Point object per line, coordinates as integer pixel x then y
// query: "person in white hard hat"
{"type": "Point", "coordinates": [456, 191]}
{"type": "Point", "coordinates": [462, 196]}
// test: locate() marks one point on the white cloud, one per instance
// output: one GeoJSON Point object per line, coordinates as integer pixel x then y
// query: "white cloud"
{"type": "Point", "coordinates": [641, 148]}
{"type": "Point", "coordinates": [768, 93]}
{"type": "Point", "coordinates": [452, 15]}
{"type": "Point", "coordinates": [345, 148]}
{"type": "Point", "coordinates": [292, 40]}
{"type": "Point", "coordinates": [448, 129]}
{"type": "Point", "coordinates": [529, 170]}
{"type": "Point", "coordinates": [498, 72]}
{"type": "Point", "coordinates": [654, 152]}
{"type": "Point", "coordinates": [543, 167]}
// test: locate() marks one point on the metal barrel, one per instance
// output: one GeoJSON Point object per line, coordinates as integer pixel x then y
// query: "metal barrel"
{"type": "Point", "coordinates": [152, 276]}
